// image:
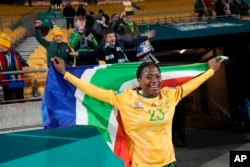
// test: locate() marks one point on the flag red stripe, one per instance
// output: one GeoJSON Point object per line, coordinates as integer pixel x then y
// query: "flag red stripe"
{"type": "Point", "coordinates": [176, 81]}
{"type": "Point", "coordinates": [121, 145]}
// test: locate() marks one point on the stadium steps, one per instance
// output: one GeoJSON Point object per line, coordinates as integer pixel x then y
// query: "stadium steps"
{"type": "Point", "coordinates": [27, 47]}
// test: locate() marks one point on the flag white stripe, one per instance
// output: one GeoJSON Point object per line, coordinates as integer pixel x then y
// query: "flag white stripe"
{"type": "Point", "coordinates": [81, 111]}
{"type": "Point", "coordinates": [178, 74]}
{"type": "Point", "coordinates": [112, 128]}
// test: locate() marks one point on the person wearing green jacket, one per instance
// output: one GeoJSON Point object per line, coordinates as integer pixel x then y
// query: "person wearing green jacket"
{"type": "Point", "coordinates": [82, 40]}
{"type": "Point", "coordinates": [56, 47]}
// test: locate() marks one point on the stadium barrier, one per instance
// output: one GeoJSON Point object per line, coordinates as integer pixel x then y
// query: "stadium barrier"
{"type": "Point", "coordinates": [34, 85]}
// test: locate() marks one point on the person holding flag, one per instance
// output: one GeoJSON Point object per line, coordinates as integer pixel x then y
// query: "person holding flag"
{"type": "Point", "coordinates": [146, 112]}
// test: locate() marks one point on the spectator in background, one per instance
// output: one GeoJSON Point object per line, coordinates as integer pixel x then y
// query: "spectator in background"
{"type": "Point", "coordinates": [89, 22]}
{"type": "Point", "coordinates": [114, 17]}
{"type": "Point", "coordinates": [127, 29]}
{"type": "Point", "coordinates": [112, 50]}
{"type": "Point", "coordinates": [56, 47]}
{"type": "Point", "coordinates": [100, 14]}
{"type": "Point", "coordinates": [53, 4]}
{"type": "Point", "coordinates": [58, 4]}
{"type": "Point", "coordinates": [219, 8]}
{"type": "Point", "coordinates": [100, 27]}
{"type": "Point", "coordinates": [70, 13]}
{"type": "Point", "coordinates": [227, 8]}
{"type": "Point", "coordinates": [209, 7]}
{"type": "Point", "coordinates": [80, 10]}
{"type": "Point", "coordinates": [235, 8]}
{"type": "Point", "coordinates": [11, 60]}
{"type": "Point", "coordinates": [30, 2]}
{"type": "Point", "coordinates": [199, 8]}
{"type": "Point", "coordinates": [81, 41]}
{"type": "Point", "coordinates": [244, 7]}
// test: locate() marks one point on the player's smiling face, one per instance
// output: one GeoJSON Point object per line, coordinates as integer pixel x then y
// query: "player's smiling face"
{"type": "Point", "coordinates": [150, 81]}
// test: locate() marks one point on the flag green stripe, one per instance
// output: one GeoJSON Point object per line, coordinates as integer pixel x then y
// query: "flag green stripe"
{"type": "Point", "coordinates": [99, 112]}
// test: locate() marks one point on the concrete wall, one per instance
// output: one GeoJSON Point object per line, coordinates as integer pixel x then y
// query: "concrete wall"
{"type": "Point", "coordinates": [20, 116]}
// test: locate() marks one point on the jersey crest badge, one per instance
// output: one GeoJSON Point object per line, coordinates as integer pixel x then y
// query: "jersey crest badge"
{"type": "Point", "coordinates": [153, 104]}
{"type": "Point", "coordinates": [138, 105]}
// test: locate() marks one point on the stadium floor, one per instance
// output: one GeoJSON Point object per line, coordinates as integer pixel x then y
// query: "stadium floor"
{"type": "Point", "coordinates": [211, 147]}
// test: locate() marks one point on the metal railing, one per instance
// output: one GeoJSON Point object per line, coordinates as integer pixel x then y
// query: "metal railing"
{"type": "Point", "coordinates": [34, 85]}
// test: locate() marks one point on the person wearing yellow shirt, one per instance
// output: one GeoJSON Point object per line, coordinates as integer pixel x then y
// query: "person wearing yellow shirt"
{"type": "Point", "coordinates": [147, 112]}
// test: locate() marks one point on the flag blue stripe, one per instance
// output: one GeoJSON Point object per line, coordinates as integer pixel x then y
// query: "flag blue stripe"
{"type": "Point", "coordinates": [59, 103]}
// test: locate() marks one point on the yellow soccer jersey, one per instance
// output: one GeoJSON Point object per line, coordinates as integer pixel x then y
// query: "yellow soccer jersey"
{"type": "Point", "coordinates": [147, 121]}
{"type": "Point", "coordinates": [148, 126]}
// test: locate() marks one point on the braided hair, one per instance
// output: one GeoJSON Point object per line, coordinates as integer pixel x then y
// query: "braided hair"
{"type": "Point", "coordinates": [144, 65]}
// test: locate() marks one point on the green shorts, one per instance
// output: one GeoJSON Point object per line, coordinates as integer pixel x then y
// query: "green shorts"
{"type": "Point", "coordinates": [169, 165]}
